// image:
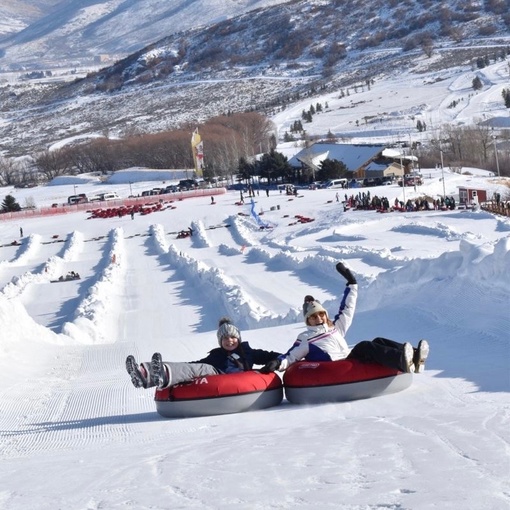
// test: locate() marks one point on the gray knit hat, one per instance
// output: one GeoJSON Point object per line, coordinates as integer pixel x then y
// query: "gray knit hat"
{"type": "Point", "coordinates": [227, 328]}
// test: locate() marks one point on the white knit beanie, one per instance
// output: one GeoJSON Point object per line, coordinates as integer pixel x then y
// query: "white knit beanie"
{"type": "Point", "coordinates": [309, 308]}
{"type": "Point", "coordinates": [226, 328]}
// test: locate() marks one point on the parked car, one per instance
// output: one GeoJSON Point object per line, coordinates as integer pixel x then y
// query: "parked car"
{"type": "Point", "coordinates": [412, 180]}
{"type": "Point", "coordinates": [109, 196]}
{"type": "Point", "coordinates": [187, 184]}
{"type": "Point", "coordinates": [81, 198]}
{"type": "Point", "coordinates": [335, 183]}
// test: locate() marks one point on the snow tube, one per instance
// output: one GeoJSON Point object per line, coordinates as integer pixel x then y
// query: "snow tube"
{"type": "Point", "coordinates": [309, 382]}
{"type": "Point", "coordinates": [220, 394]}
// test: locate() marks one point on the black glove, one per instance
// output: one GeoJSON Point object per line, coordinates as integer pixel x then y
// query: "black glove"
{"type": "Point", "coordinates": [346, 273]}
{"type": "Point", "coordinates": [272, 366]}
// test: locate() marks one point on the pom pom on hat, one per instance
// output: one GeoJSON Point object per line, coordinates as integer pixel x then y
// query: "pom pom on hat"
{"type": "Point", "coordinates": [227, 328]}
{"type": "Point", "coordinates": [306, 303]}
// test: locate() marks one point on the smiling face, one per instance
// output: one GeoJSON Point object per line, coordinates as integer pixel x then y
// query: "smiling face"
{"type": "Point", "coordinates": [317, 319]}
{"type": "Point", "coordinates": [229, 343]}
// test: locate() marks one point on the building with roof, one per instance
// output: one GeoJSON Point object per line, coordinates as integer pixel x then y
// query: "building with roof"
{"type": "Point", "coordinates": [361, 160]}
{"type": "Point", "coordinates": [472, 195]}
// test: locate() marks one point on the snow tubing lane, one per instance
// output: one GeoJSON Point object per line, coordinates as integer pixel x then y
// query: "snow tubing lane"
{"type": "Point", "coordinates": [220, 394]}
{"type": "Point", "coordinates": [308, 382]}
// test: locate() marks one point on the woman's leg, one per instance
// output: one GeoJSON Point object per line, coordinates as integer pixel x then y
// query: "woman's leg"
{"type": "Point", "coordinates": [385, 352]}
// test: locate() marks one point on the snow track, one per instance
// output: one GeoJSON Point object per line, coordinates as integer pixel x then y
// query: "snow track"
{"type": "Point", "coordinates": [72, 424]}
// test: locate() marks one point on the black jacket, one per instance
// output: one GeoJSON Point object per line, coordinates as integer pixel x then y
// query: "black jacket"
{"type": "Point", "coordinates": [241, 359]}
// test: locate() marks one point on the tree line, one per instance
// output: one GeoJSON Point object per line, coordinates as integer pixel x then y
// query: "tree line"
{"type": "Point", "coordinates": [230, 145]}
{"type": "Point", "coordinates": [226, 138]}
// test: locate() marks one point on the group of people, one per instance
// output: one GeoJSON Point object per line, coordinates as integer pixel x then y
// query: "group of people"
{"type": "Point", "coordinates": [322, 340]}
{"type": "Point", "coordinates": [71, 275]}
{"type": "Point", "coordinates": [365, 201]}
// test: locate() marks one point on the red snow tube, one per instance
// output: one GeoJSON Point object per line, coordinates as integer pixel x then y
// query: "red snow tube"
{"type": "Point", "coordinates": [308, 382]}
{"type": "Point", "coordinates": [220, 394]}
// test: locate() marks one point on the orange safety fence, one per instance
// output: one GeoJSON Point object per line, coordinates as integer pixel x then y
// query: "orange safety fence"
{"type": "Point", "coordinates": [128, 202]}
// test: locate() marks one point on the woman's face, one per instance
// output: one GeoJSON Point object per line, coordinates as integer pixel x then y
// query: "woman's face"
{"type": "Point", "coordinates": [229, 343]}
{"type": "Point", "coordinates": [317, 319]}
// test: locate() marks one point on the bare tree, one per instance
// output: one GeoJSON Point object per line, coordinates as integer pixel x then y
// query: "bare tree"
{"type": "Point", "coordinates": [54, 163]}
{"type": "Point", "coordinates": [9, 172]}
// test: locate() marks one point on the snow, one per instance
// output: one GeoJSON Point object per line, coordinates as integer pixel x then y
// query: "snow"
{"type": "Point", "coordinates": [77, 435]}
{"type": "Point", "coordinates": [389, 110]}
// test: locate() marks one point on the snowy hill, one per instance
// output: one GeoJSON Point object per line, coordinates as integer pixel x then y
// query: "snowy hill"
{"type": "Point", "coordinates": [79, 30]}
{"type": "Point", "coordinates": [77, 434]}
{"type": "Point", "coordinates": [271, 59]}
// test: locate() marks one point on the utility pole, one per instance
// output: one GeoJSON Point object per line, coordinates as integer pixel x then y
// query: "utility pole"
{"type": "Point", "coordinates": [403, 179]}
{"type": "Point", "coordinates": [442, 175]}
{"type": "Point", "coordinates": [496, 153]}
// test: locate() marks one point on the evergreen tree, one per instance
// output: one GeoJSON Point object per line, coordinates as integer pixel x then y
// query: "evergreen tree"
{"type": "Point", "coordinates": [245, 169]}
{"type": "Point", "coordinates": [480, 62]}
{"type": "Point", "coordinates": [9, 204]}
{"type": "Point", "coordinates": [477, 83]}
{"type": "Point", "coordinates": [331, 169]}
{"type": "Point", "coordinates": [506, 97]}
{"type": "Point", "coordinates": [274, 165]}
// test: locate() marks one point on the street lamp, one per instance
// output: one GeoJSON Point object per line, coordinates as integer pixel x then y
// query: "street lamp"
{"type": "Point", "coordinates": [496, 153]}
{"type": "Point", "coordinates": [442, 176]}
{"type": "Point", "coordinates": [74, 186]}
{"type": "Point", "coordinates": [130, 189]}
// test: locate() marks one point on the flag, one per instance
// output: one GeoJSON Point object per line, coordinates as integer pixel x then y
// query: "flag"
{"type": "Point", "coordinates": [197, 148]}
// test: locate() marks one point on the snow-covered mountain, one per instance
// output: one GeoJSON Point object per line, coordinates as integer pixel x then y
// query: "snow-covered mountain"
{"type": "Point", "coordinates": [79, 29]}
{"type": "Point", "coordinates": [275, 59]}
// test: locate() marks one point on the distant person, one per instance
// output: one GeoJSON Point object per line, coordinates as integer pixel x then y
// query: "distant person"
{"type": "Point", "coordinates": [324, 339]}
{"type": "Point", "coordinates": [232, 356]}
{"type": "Point", "coordinates": [21, 232]}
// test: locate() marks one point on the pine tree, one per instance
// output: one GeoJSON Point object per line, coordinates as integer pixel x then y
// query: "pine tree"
{"type": "Point", "coordinates": [477, 83]}
{"type": "Point", "coordinates": [506, 97]}
{"type": "Point", "coordinates": [9, 204]}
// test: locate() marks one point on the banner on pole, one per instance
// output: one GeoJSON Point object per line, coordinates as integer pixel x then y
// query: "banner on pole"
{"type": "Point", "coordinates": [197, 148]}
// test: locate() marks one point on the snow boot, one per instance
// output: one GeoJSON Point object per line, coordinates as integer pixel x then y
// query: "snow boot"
{"type": "Point", "coordinates": [139, 375]}
{"type": "Point", "coordinates": [408, 357]}
{"type": "Point", "coordinates": [159, 372]}
{"type": "Point", "coordinates": [421, 353]}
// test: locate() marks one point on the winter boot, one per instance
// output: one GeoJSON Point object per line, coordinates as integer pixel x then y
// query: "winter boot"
{"type": "Point", "coordinates": [408, 357]}
{"type": "Point", "coordinates": [139, 375]}
{"type": "Point", "coordinates": [421, 353]}
{"type": "Point", "coordinates": [159, 372]}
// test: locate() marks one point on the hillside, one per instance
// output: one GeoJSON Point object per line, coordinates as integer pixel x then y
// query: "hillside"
{"type": "Point", "coordinates": [269, 60]}
{"type": "Point", "coordinates": [38, 33]}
